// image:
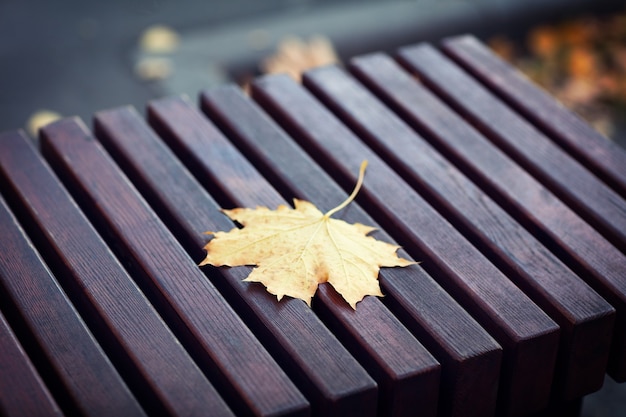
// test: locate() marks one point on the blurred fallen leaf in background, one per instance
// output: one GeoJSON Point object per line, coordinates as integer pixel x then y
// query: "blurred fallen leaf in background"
{"type": "Point", "coordinates": [40, 119]}
{"type": "Point", "coordinates": [295, 55]}
{"type": "Point", "coordinates": [159, 39]}
{"type": "Point", "coordinates": [155, 44]}
{"type": "Point", "coordinates": [153, 68]}
{"type": "Point", "coordinates": [581, 61]}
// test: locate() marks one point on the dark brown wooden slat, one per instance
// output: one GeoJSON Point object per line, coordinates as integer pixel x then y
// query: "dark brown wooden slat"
{"type": "Point", "coordinates": [528, 336]}
{"type": "Point", "coordinates": [121, 318]}
{"type": "Point", "coordinates": [69, 360]}
{"type": "Point", "coordinates": [600, 206]}
{"type": "Point", "coordinates": [22, 391]}
{"type": "Point", "coordinates": [325, 371]}
{"type": "Point", "coordinates": [241, 369]}
{"type": "Point", "coordinates": [586, 319]}
{"type": "Point", "coordinates": [464, 349]}
{"type": "Point", "coordinates": [581, 247]}
{"type": "Point", "coordinates": [603, 157]}
{"type": "Point", "coordinates": [412, 371]}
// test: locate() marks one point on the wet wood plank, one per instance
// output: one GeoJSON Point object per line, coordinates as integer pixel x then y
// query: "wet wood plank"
{"type": "Point", "coordinates": [239, 367]}
{"type": "Point", "coordinates": [435, 318]}
{"type": "Point", "coordinates": [528, 336]}
{"type": "Point", "coordinates": [121, 318]}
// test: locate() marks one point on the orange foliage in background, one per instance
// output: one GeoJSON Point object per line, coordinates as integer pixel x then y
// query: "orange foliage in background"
{"type": "Point", "coordinates": [581, 61]}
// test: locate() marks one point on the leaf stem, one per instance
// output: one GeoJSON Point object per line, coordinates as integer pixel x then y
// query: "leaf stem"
{"type": "Point", "coordinates": [351, 197]}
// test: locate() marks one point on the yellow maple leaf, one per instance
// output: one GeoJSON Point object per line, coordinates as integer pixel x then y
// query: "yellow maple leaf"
{"type": "Point", "coordinates": [297, 249]}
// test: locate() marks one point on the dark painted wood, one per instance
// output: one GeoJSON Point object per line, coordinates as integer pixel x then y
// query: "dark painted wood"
{"type": "Point", "coordinates": [333, 381]}
{"type": "Point", "coordinates": [600, 206]}
{"type": "Point", "coordinates": [408, 376]}
{"type": "Point", "coordinates": [529, 337]}
{"type": "Point", "coordinates": [450, 333]}
{"type": "Point", "coordinates": [38, 311]}
{"type": "Point", "coordinates": [152, 361]}
{"type": "Point", "coordinates": [603, 157]}
{"type": "Point", "coordinates": [586, 319]}
{"type": "Point", "coordinates": [240, 368]}
{"type": "Point", "coordinates": [576, 243]}
{"type": "Point", "coordinates": [68, 358]}
{"type": "Point", "coordinates": [22, 391]}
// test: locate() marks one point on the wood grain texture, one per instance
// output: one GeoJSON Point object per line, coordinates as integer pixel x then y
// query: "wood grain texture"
{"type": "Point", "coordinates": [72, 364]}
{"type": "Point", "coordinates": [600, 206]}
{"type": "Point", "coordinates": [22, 391]}
{"type": "Point", "coordinates": [586, 319]}
{"type": "Point", "coordinates": [153, 362]}
{"type": "Point", "coordinates": [558, 227]}
{"type": "Point", "coordinates": [332, 380]}
{"type": "Point", "coordinates": [309, 353]}
{"type": "Point", "coordinates": [603, 157]}
{"type": "Point", "coordinates": [239, 367]}
{"type": "Point", "coordinates": [408, 368]}
{"type": "Point", "coordinates": [479, 174]}
{"type": "Point", "coordinates": [528, 336]}
{"type": "Point", "coordinates": [462, 347]}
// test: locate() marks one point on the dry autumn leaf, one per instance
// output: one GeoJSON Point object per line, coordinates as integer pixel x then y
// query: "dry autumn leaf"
{"type": "Point", "coordinates": [297, 249]}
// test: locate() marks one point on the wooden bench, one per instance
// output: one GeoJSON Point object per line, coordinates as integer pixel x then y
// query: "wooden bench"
{"type": "Point", "coordinates": [514, 207]}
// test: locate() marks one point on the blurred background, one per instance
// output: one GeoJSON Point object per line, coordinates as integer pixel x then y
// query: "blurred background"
{"type": "Point", "coordinates": [71, 57]}
{"type": "Point", "coordinates": [75, 57]}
